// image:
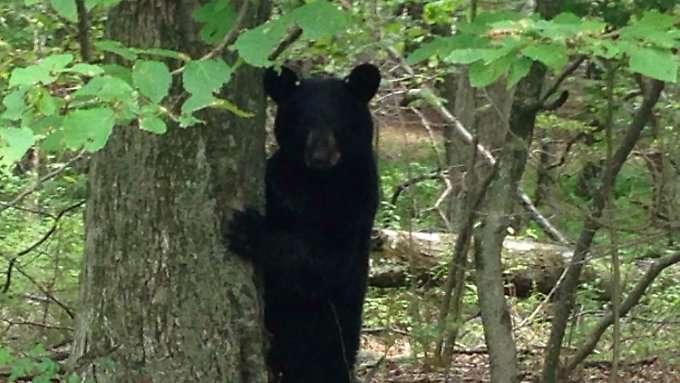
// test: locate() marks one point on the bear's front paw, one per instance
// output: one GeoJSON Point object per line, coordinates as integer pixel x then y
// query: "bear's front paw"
{"type": "Point", "coordinates": [244, 232]}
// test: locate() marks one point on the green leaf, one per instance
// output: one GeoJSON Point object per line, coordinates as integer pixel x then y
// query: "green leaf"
{"type": "Point", "coordinates": [66, 9]}
{"type": "Point", "coordinates": [53, 142]}
{"type": "Point", "coordinates": [593, 27]}
{"type": "Point", "coordinates": [217, 17]}
{"type": "Point", "coordinates": [89, 4]}
{"type": "Point", "coordinates": [485, 20]}
{"type": "Point", "coordinates": [44, 125]}
{"type": "Point", "coordinates": [117, 48]}
{"type": "Point", "coordinates": [554, 56]}
{"type": "Point", "coordinates": [47, 105]}
{"type": "Point", "coordinates": [15, 105]}
{"type": "Point", "coordinates": [654, 28]}
{"type": "Point", "coordinates": [427, 50]}
{"type": "Point", "coordinates": [106, 88]}
{"type": "Point", "coordinates": [86, 69]}
{"type": "Point", "coordinates": [152, 78]}
{"type": "Point", "coordinates": [255, 45]}
{"type": "Point", "coordinates": [196, 102]}
{"type": "Point", "coordinates": [152, 124]}
{"type": "Point", "coordinates": [566, 18]}
{"type": "Point", "coordinates": [16, 142]}
{"type": "Point", "coordinates": [604, 48]}
{"type": "Point", "coordinates": [90, 128]}
{"type": "Point", "coordinates": [466, 56]}
{"type": "Point", "coordinates": [113, 90]}
{"type": "Point", "coordinates": [56, 63]}
{"type": "Point", "coordinates": [518, 70]}
{"type": "Point", "coordinates": [6, 357]}
{"type": "Point", "coordinates": [658, 20]}
{"type": "Point", "coordinates": [483, 74]}
{"type": "Point", "coordinates": [119, 72]}
{"type": "Point", "coordinates": [444, 46]}
{"type": "Point", "coordinates": [319, 19]}
{"type": "Point", "coordinates": [206, 76]}
{"type": "Point", "coordinates": [30, 76]}
{"type": "Point", "coordinates": [659, 64]}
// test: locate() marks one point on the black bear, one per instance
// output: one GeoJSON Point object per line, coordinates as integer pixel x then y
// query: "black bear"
{"type": "Point", "coordinates": [312, 243]}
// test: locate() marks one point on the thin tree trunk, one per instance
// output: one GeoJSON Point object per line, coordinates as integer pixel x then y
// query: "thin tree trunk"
{"type": "Point", "coordinates": [460, 214]}
{"type": "Point", "coordinates": [566, 292]}
{"type": "Point", "coordinates": [545, 179]}
{"type": "Point", "coordinates": [497, 210]}
{"type": "Point", "coordinates": [160, 298]}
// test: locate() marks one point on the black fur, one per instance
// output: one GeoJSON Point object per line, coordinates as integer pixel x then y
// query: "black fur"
{"type": "Point", "coordinates": [312, 244]}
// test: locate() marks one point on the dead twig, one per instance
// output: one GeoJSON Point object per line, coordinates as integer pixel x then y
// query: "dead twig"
{"type": "Point", "coordinates": [427, 94]}
{"type": "Point", "coordinates": [6, 205]}
{"type": "Point", "coordinates": [48, 234]}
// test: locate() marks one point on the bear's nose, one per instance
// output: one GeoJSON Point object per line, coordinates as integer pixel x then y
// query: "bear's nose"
{"type": "Point", "coordinates": [321, 158]}
{"type": "Point", "coordinates": [321, 151]}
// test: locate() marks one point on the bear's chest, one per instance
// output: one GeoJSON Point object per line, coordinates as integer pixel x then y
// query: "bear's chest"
{"type": "Point", "coordinates": [312, 197]}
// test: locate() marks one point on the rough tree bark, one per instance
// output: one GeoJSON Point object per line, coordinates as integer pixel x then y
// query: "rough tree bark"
{"type": "Point", "coordinates": [160, 297]}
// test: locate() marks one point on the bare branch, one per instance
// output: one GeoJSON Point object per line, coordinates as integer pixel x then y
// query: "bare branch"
{"type": "Point", "coordinates": [13, 260]}
{"type": "Point", "coordinates": [47, 293]}
{"type": "Point", "coordinates": [6, 205]}
{"type": "Point", "coordinates": [592, 224]}
{"type": "Point", "coordinates": [292, 36]}
{"type": "Point", "coordinates": [631, 300]}
{"type": "Point", "coordinates": [560, 79]}
{"type": "Point", "coordinates": [427, 94]}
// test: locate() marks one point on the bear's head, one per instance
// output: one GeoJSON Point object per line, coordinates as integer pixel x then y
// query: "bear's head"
{"type": "Point", "coordinates": [321, 122]}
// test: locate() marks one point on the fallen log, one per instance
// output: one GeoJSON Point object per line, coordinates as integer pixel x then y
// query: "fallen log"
{"type": "Point", "coordinates": [401, 257]}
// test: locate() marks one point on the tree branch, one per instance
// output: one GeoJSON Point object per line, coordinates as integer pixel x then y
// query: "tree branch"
{"type": "Point", "coordinates": [560, 79]}
{"type": "Point", "coordinates": [83, 31]}
{"type": "Point", "coordinates": [630, 302]}
{"type": "Point", "coordinates": [566, 292]}
{"type": "Point", "coordinates": [292, 36]}
{"type": "Point", "coordinates": [427, 94]}
{"type": "Point", "coordinates": [47, 293]}
{"type": "Point", "coordinates": [39, 242]}
{"type": "Point", "coordinates": [228, 39]}
{"type": "Point", "coordinates": [6, 205]}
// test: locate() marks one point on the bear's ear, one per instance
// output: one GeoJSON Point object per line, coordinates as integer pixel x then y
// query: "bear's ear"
{"type": "Point", "coordinates": [363, 81]}
{"type": "Point", "coordinates": [279, 85]}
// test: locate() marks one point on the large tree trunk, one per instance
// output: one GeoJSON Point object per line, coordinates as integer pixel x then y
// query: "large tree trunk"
{"type": "Point", "coordinates": [159, 295]}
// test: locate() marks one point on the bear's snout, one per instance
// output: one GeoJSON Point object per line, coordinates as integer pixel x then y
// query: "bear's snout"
{"type": "Point", "coordinates": [321, 151]}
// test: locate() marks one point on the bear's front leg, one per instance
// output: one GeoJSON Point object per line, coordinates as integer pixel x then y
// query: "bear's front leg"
{"type": "Point", "coordinates": [244, 232]}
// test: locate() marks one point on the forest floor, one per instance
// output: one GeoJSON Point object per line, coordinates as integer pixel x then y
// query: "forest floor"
{"type": "Point", "coordinates": [391, 365]}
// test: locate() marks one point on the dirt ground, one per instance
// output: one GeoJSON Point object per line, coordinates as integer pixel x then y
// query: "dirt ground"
{"type": "Point", "coordinates": [396, 364]}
